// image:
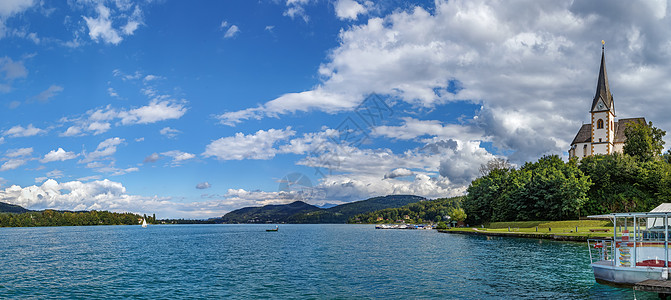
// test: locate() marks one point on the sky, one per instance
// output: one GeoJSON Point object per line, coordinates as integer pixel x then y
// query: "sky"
{"type": "Point", "coordinates": [191, 109]}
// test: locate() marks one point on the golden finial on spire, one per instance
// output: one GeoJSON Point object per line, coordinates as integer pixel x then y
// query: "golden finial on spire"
{"type": "Point", "coordinates": [603, 43]}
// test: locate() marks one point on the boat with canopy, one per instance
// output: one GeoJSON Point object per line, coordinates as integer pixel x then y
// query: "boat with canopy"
{"type": "Point", "coordinates": [637, 251]}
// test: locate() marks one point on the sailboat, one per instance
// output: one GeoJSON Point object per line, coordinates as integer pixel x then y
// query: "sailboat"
{"type": "Point", "coordinates": [144, 223]}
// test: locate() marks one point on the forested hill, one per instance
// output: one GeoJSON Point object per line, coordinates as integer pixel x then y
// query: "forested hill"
{"type": "Point", "coordinates": [11, 208]}
{"type": "Point", "coordinates": [342, 213]}
{"type": "Point", "coordinates": [301, 212]}
{"type": "Point", "coordinates": [266, 214]}
{"type": "Point", "coordinates": [420, 212]}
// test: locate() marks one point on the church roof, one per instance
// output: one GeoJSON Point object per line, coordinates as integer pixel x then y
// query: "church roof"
{"type": "Point", "coordinates": [584, 134]}
{"type": "Point", "coordinates": [602, 88]}
{"type": "Point", "coordinates": [621, 126]}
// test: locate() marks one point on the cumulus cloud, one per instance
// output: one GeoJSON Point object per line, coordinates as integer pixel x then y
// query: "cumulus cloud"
{"type": "Point", "coordinates": [525, 70]}
{"type": "Point", "coordinates": [106, 195]}
{"type": "Point", "coordinates": [259, 145]}
{"type": "Point", "coordinates": [20, 131]}
{"type": "Point", "coordinates": [351, 9]}
{"type": "Point", "coordinates": [106, 148]}
{"type": "Point", "coordinates": [101, 28]}
{"type": "Point", "coordinates": [58, 155]}
{"type": "Point", "coordinates": [100, 120]}
{"type": "Point", "coordinates": [398, 172]}
{"type": "Point", "coordinates": [203, 185]}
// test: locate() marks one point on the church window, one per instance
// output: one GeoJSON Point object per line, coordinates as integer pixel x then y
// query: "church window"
{"type": "Point", "coordinates": [599, 140]}
{"type": "Point", "coordinates": [584, 151]}
{"type": "Point", "coordinates": [599, 124]}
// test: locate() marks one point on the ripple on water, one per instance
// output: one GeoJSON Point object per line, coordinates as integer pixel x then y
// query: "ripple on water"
{"type": "Point", "coordinates": [299, 261]}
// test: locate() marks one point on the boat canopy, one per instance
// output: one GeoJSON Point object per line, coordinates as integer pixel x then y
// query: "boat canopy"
{"type": "Point", "coordinates": [630, 215]}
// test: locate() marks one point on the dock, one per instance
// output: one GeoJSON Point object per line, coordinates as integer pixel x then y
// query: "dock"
{"type": "Point", "coordinates": [661, 287]}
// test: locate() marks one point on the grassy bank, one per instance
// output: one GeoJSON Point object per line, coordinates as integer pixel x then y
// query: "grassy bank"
{"type": "Point", "coordinates": [576, 230]}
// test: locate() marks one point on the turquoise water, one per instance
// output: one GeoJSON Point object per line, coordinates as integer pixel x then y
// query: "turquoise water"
{"type": "Point", "coordinates": [299, 261]}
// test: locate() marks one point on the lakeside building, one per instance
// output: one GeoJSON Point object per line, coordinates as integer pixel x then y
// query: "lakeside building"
{"type": "Point", "coordinates": [605, 134]}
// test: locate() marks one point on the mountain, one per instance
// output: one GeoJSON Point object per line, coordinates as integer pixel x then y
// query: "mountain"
{"type": "Point", "coordinates": [301, 212]}
{"type": "Point", "coordinates": [267, 214]}
{"type": "Point", "coordinates": [11, 208]}
{"type": "Point", "coordinates": [341, 213]}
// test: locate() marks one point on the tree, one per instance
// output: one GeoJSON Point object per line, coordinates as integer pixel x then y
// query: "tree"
{"type": "Point", "coordinates": [458, 214]}
{"type": "Point", "coordinates": [644, 141]}
{"type": "Point", "coordinates": [494, 164]}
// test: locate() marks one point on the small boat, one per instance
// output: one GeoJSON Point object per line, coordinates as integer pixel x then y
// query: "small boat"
{"type": "Point", "coordinates": [144, 223]}
{"type": "Point", "coordinates": [638, 250]}
{"type": "Point", "coordinates": [276, 229]}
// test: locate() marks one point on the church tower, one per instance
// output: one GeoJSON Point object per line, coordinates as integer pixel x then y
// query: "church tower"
{"type": "Point", "coordinates": [604, 134]}
{"type": "Point", "coordinates": [603, 114]}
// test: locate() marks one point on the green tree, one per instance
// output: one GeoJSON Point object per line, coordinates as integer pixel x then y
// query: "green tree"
{"type": "Point", "coordinates": [644, 141]}
{"type": "Point", "coordinates": [458, 214]}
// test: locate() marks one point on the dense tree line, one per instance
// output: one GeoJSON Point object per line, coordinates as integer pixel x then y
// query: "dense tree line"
{"type": "Point", "coordinates": [428, 211]}
{"type": "Point", "coordinates": [637, 180]}
{"type": "Point", "coordinates": [58, 218]}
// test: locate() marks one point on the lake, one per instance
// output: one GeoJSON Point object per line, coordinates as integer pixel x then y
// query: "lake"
{"type": "Point", "coordinates": [298, 261]}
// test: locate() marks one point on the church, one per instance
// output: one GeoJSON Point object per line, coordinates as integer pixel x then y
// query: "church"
{"type": "Point", "coordinates": [605, 134]}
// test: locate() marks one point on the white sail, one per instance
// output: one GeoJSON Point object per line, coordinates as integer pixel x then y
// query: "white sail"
{"type": "Point", "coordinates": [144, 223]}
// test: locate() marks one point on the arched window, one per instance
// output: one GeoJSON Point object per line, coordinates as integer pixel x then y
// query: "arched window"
{"type": "Point", "coordinates": [599, 124]}
{"type": "Point", "coordinates": [584, 151]}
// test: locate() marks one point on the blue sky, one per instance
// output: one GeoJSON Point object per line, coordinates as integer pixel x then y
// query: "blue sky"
{"type": "Point", "coordinates": [191, 109]}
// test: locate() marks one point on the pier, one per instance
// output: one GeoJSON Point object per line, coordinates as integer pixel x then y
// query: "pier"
{"type": "Point", "coordinates": [661, 287]}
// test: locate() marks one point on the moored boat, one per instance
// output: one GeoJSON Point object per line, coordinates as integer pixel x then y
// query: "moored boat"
{"type": "Point", "coordinates": [638, 250]}
{"type": "Point", "coordinates": [275, 229]}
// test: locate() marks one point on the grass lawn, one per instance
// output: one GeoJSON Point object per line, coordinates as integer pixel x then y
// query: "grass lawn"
{"type": "Point", "coordinates": [570, 228]}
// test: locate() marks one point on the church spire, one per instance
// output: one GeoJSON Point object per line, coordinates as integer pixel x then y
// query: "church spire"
{"type": "Point", "coordinates": [602, 88]}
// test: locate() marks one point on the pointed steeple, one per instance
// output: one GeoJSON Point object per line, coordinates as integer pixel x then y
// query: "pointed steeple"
{"type": "Point", "coordinates": [602, 88]}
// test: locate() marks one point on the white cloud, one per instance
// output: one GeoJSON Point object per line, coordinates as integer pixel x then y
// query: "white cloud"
{"type": "Point", "coordinates": [20, 131]}
{"type": "Point", "coordinates": [11, 7]}
{"type": "Point", "coordinates": [178, 156]}
{"type": "Point", "coordinates": [55, 174]}
{"type": "Point", "coordinates": [169, 132]}
{"type": "Point", "coordinates": [105, 148]}
{"type": "Point", "coordinates": [152, 158]}
{"type": "Point", "coordinates": [101, 28]}
{"type": "Point", "coordinates": [203, 185]}
{"type": "Point", "coordinates": [351, 9]}
{"type": "Point", "coordinates": [47, 94]}
{"type": "Point", "coordinates": [106, 195]}
{"type": "Point", "coordinates": [10, 70]}
{"type": "Point", "coordinates": [12, 164]}
{"type": "Point", "coordinates": [97, 121]}
{"type": "Point", "coordinates": [19, 152]}
{"type": "Point", "coordinates": [157, 110]}
{"type": "Point", "coordinates": [526, 70]}
{"type": "Point", "coordinates": [58, 155]}
{"type": "Point", "coordinates": [296, 8]}
{"type": "Point", "coordinates": [259, 145]}
{"type": "Point", "coordinates": [232, 31]}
